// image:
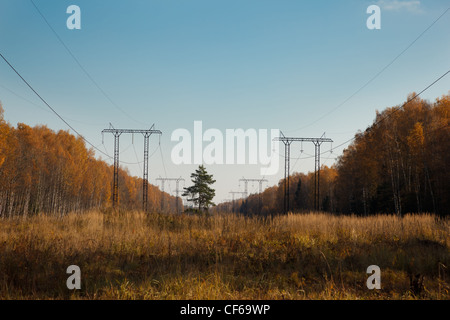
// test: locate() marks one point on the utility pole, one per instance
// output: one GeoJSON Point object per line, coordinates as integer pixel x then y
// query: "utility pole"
{"type": "Point", "coordinates": [177, 190]}
{"type": "Point", "coordinates": [117, 133]}
{"type": "Point", "coordinates": [287, 146]}
{"type": "Point", "coordinates": [260, 181]}
{"type": "Point", "coordinates": [246, 181]}
{"type": "Point", "coordinates": [233, 193]}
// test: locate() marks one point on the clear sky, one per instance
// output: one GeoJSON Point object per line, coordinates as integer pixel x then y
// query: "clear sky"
{"type": "Point", "coordinates": [250, 64]}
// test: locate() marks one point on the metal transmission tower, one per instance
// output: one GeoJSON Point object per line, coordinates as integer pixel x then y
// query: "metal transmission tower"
{"type": "Point", "coordinates": [146, 134]}
{"type": "Point", "coordinates": [234, 193]}
{"type": "Point", "coordinates": [177, 190]}
{"type": "Point", "coordinates": [260, 181]}
{"type": "Point", "coordinates": [317, 144]}
{"type": "Point", "coordinates": [246, 181]}
{"type": "Point", "coordinates": [287, 146]}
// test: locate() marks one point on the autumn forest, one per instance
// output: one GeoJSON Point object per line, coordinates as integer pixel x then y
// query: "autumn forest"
{"type": "Point", "coordinates": [42, 171]}
{"type": "Point", "coordinates": [397, 165]}
{"type": "Point", "coordinates": [380, 206]}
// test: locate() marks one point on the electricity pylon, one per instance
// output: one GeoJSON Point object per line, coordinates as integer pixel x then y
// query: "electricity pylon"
{"type": "Point", "coordinates": [117, 133]}
{"type": "Point", "coordinates": [287, 146]}
{"type": "Point", "coordinates": [233, 193]}
{"type": "Point", "coordinates": [177, 190]}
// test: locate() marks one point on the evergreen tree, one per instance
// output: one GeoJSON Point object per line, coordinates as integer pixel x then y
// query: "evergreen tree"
{"type": "Point", "coordinates": [201, 194]}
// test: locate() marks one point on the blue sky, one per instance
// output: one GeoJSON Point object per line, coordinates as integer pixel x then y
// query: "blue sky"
{"type": "Point", "coordinates": [232, 64]}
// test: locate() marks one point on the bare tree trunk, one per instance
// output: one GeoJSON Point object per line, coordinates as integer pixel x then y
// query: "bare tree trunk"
{"type": "Point", "coordinates": [11, 204]}
{"type": "Point", "coordinates": [364, 201]}
{"type": "Point", "coordinates": [395, 189]}
{"type": "Point", "coordinates": [431, 189]}
{"type": "Point", "coordinates": [27, 202]}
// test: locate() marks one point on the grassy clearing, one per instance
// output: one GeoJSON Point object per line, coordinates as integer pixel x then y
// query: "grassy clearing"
{"type": "Point", "coordinates": [310, 256]}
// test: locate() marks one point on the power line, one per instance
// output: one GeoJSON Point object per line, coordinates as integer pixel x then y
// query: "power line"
{"type": "Point", "coordinates": [57, 114]}
{"type": "Point", "coordinates": [295, 163]}
{"type": "Point", "coordinates": [353, 138]}
{"type": "Point", "coordinates": [287, 141]}
{"type": "Point", "coordinates": [128, 147]}
{"type": "Point", "coordinates": [295, 158]}
{"type": "Point", "coordinates": [117, 133]}
{"type": "Point", "coordinates": [177, 190]}
{"type": "Point", "coordinates": [246, 181]}
{"type": "Point", "coordinates": [53, 110]}
{"type": "Point", "coordinates": [382, 119]}
{"type": "Point", "coordinates": [25, 99]}
{"type": "Point", "coordinates": [83, 69]}
{"type": "Point", "coordinates": [41, 107]}
{"type": "Point", "coordinates": [395, 110]}
{"type": "Point", "coordinates": [375, 76]}
{"type": "Point", "coordinates": [163, 163]}
{"type": "Point", "coordinates": [135, 153]}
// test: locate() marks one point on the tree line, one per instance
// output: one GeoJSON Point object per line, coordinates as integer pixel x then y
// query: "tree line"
{"type": "Point", "coordinates": [42, 171]}
{"type": "Point", "coordinates": [399, 164]}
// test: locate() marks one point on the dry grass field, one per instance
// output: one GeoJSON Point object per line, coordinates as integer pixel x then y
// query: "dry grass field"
{"type": "Point", "coordinates": [309, 256]}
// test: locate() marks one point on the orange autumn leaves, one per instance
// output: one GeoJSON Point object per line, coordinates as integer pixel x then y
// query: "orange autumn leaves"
{"type": "Point", "coordinates": [53, 172]}
{"type": "Point", "coordinates": [399, 165]}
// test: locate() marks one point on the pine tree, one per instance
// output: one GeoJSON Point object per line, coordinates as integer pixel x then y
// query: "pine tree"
{"type": "Point", "coordinates": [201, 194]}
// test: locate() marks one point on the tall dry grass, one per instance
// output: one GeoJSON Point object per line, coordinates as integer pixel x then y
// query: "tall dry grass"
{"type": "Point", "coordinates": [136, 256]}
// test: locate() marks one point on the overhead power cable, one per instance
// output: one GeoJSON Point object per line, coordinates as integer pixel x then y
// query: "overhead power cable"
{"type": "Point", "coordinates": [41, 107]}
{"type": "Point", "coordinates": [395, 110]}
{"type": "Point", "coordinates": [375, 76]}
{"type": "Point", "coordinates": [84, 70]}
{"type": "Point", "coordinates": [163, 163]}
{"type": "Point", "coordinates": [54, 111]}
